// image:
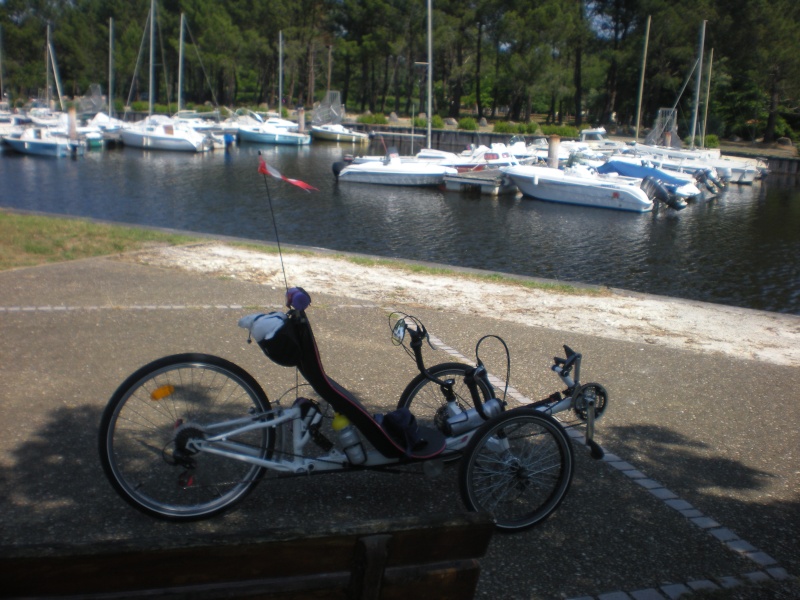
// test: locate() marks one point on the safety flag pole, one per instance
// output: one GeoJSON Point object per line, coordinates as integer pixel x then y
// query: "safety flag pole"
{"type": "Point", "coordinates": [265, 170]}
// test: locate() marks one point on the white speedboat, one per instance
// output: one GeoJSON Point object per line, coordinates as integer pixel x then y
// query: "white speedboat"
{"type": "Point", "coordinates": [393, 171]}
{"type": "Point", "coordinates": [730, 170]}
{"type": "Point", "coordinates": [474, 158]}
{"type": "Point", "coordinates": [582, 187]}
{"type": "Point", "coordinates": [333, 132]}
{"type": "Point", "coordinates": [42, 141]}
{"type": "Point", "coordinates": [596, 140]}
{"type": "Point", "coordinates": [158, 132]}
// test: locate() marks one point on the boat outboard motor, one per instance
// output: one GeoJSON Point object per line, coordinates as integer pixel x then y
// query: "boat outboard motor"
{"type": "Point", "coordinates": [655, 190]}
{"type": "Point", "coordinates": [709, 180]}
{"type": "Point", "coordinates": [337, 167]}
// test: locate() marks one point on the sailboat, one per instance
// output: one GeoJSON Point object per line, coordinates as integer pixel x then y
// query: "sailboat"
{"type": "Point", "coordinates": [44, 138]}
{"type": "Point", "coordinates": [327, 122]}
{"type": "Point", "coordinates": [274, 130]}
{"type": "Point", "coordinates": [159, 132]}
{"type": "Point", "coordinates": [663, 147]}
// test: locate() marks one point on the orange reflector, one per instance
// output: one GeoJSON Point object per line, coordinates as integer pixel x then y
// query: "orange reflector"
{"type": "Point", "coordinates": [161, 392]}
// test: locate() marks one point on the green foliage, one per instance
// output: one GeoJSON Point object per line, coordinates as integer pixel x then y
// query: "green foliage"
{"type": "Point", "coordinates": [437, 122]}
{"type": "Point", "coordinates": [712, 141]}
{"type": "Point", "coordinates": [377, 119]}
{"type": "Point", "coordinates": [143, 106]}
{"type": "Point", "coordinates": [516, 128]}
{"type": "Point", "coordinates": [515, 59]}
{"type": "Point", "coordinates": [564, 131]}
{"type": "Point", "coordinates": [468, 124]}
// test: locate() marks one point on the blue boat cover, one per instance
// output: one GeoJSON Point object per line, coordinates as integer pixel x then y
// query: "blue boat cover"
{"type": "Point", "coordinates": [630, 170]}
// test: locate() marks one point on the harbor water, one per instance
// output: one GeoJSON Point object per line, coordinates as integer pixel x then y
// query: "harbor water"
{"type": "Point", "coordinates": [740, 249]}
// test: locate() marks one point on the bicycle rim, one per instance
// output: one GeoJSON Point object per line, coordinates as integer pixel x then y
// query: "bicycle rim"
{"type": "Point", "coordinates": [173, 400]}
{"type": "Point", "coordinates": [518, 468]}
{"type": "Point", "coordinates": [426, 401]}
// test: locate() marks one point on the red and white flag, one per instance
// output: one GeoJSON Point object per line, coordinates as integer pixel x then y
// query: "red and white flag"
{"type": "Point", "coordinates": [265, 169]}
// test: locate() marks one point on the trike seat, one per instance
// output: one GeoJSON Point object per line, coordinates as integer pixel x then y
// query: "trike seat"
{"type": "Point", "coordinates": [297, 341]}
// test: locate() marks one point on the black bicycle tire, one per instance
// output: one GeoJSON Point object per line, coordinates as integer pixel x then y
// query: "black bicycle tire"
{"type": "Point", "coordinates": [553, 500]}
{"type": "Point", "coordinates": [124, 392]}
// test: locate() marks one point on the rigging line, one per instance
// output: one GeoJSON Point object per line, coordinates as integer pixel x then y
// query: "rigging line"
{"type": "Point", "coordinates": [202, 66]}
{"type": "Point", "coordinates": [138, 62]}
{"type": "Point", "coordinates": [685, 83]}
{"type": "Point", "coordinates": [164, 61]}
{"type": "Point", "coordinates": [275, 227]}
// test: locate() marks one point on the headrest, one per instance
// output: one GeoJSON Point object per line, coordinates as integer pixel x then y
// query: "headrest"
{"type": "Point", "coordinates": [297, 298]}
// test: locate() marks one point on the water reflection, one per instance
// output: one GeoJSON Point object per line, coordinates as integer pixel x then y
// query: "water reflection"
{"type": "Point", "coordinates": [741, 249]}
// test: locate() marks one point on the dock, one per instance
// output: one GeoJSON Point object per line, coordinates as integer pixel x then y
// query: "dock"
{"type": "Point", "coordinates": [490, 182]}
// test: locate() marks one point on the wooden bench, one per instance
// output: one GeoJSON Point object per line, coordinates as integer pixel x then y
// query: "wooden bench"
{"type": "Point", "coordinates": [398, 559]}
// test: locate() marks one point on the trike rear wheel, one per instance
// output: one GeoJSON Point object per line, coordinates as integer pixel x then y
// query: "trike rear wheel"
{"type": "Point", "coordinates": [517, 467]}
{"type": "Point", "coordinates": [149, 423]}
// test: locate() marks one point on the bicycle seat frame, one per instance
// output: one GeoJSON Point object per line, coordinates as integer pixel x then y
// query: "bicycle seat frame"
{"type": "Point", "coordinates": [345, 403]}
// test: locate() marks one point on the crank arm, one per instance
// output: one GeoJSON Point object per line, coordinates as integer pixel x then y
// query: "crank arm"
{"type": "Point", "coordinates": [596, 451]}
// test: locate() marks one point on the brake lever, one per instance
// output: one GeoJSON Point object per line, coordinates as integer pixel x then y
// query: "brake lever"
{"type": "Point", "coordinates": [428, 339]}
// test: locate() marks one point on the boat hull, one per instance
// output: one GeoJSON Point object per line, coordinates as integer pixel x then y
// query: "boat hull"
{"type": "Point", "coordinates": [403, 174]}
{"type": "Point", "coordinates": [351, 137]}
{"type": "Point", "coordinates": [553, 185]}
{"type": "Point", "coordinates": [286, 138]}
{"type": "Point", "coordinates": [45, 148]}
{"type": "Point", "coordinates": [146, 141]}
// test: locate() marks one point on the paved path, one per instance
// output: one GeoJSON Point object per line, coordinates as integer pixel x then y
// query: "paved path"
{"type": "Point", "coordinates": [700, 487]}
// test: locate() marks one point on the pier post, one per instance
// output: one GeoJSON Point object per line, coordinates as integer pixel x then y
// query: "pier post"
{"type": "Point", "coordinates": [552, 152]}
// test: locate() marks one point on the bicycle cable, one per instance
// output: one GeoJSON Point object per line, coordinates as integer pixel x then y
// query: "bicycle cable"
{"type": "Point", "coordinates": [508, 359]}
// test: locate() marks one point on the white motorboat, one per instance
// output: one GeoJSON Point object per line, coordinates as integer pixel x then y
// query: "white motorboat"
{"type": "Point", "coordinates": [679, 186]}
{"type": "Point", "coordinates": [581, 186]}
{"type": "Point", "coordinates": [334, 132]}
{"type": "Point", "coordinates": [474, 158]}
{"type": "Point", "coordinates": [42, 141]}
{"type": "Point", "coordinates": [269, 133]}
{"type": "Point", "coordinates": [159, 132]}
{"type": "Point", "coordinates": [393, 171]}
{"type": "Point", "coordinates": [730, 170]}
{"type": "Point", "coordinates": [595, 139]}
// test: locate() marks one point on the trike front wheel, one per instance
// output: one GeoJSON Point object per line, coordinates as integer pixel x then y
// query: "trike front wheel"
{"type": "Point", "coordinates": [426, 400]}
{"type": "Point", "coordinates": [517, 467]}
{"type": "Point", "coordinates": [148, 425]}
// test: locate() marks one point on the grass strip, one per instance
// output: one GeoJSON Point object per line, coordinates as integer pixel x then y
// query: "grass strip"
{"type": "Point", "coordinates": [30, 240]}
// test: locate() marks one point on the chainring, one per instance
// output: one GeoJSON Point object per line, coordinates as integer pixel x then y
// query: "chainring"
{"type": "Point", "coordinates": [585, 393]}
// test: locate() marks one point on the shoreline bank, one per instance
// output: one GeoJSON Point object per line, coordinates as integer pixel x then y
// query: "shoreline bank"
{"type": "Point", "coordinates": [616, 314]}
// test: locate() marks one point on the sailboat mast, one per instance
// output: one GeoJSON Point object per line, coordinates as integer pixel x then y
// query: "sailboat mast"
{"type": "Point", "coordinates": [708, 94]}
{"type": "Point", "coordinates": [152, 54]}
{"type": "Point", "coordinates": [180, 68]}
{"type": "Point", "coordinates": [641, 79]}
{"type": "Point", "coordinates": [2, 89]}
{"type": "Point", "coordinates": [699, 79]}
{"type": "Point", "coordinates": [56, 76]}
{"type": "Point", "coordinates": [111, 66]}
{"type": "Point", "coordinates": [430, 70]}
{"type": "Point", "coordinates": [47, 67]}
{"type": "Point", "coordinates": [280, 74]}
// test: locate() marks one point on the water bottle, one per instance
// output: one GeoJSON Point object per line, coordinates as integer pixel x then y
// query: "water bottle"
{"type": "Point", "coordinates": [348, 438]}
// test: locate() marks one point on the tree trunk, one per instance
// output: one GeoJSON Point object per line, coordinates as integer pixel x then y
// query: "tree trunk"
{"type": "Point", "coordinates": [478, 72]}
{"type": "Point", "coordinates": [578, 88]}
{"type": "Point", "coordinates": [769, 132]}
{"type": "Point", "coordinates": [310, 96]}
{"type": "Point", "coordinates": [458, 87]}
